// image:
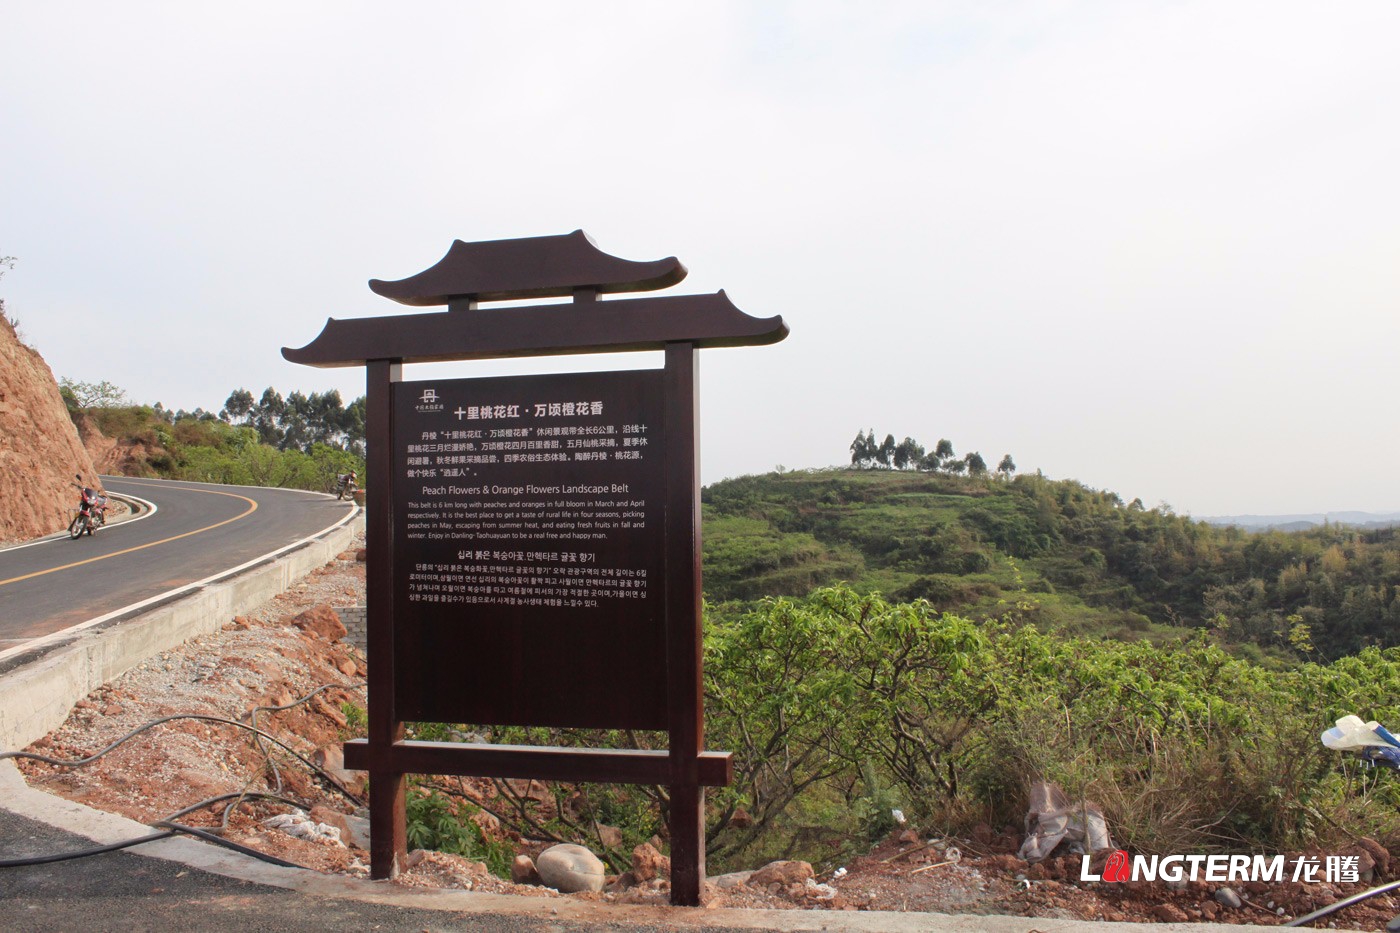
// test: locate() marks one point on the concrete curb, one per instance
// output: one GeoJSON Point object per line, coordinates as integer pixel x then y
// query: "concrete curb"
{"type": "Point", "coordinates": [37, 697]}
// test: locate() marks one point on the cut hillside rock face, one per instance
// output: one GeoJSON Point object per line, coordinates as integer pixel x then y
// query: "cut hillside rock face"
{"type": "Point", "coordinates": [39, 447]}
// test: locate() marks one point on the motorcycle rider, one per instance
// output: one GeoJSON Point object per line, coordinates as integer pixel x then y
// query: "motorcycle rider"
{"type": "Point", "coordinates": [343, 481]}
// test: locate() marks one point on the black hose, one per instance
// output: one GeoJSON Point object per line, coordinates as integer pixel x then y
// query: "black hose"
{"type": "Point", "coordinates": [82, 853]}
{"type": "Point", "coordinates": [59, 762]}
{"type": "Point", "coordinates": [170, 827]}
{"type": "Point", "coordinates": [1344, 902]}
{"type": "Point", "coordinates": [252, 715]}
{"type": "Point", "coordinates": [240, 796]}
{"type": "Point", "coordinates": [229, 844]}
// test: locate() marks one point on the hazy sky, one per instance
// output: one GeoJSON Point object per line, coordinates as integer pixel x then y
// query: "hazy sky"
{"type": "Point", "coordinates": [1148, 245]}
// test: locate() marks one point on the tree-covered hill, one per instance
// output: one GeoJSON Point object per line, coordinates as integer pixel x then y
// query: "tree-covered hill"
{"type": "Point", "coordinates": [1053, 552]}
{"type": "Point", "coordinates": [300, 442]}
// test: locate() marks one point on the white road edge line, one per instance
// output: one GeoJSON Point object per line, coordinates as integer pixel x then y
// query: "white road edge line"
{"type": "Point", "coordinates": [74, 629]}
{"type": "Point", "coordinates": [63, 535]}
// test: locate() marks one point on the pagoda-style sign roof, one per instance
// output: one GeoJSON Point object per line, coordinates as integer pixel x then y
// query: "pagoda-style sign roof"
{"type": "Point", "coordinates": [529, 267]}
{"type": "Point", "coordinates": [547, 266]}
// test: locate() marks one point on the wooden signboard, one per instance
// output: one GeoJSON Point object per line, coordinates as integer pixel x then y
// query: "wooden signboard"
{"type": "Point", "coordinates": [534, 541]}
{"type": "Point", "coordinates": [531, 548]}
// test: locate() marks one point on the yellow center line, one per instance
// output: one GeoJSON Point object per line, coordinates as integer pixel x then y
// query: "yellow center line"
{"type": "Point", "coordinates": [252, 507]}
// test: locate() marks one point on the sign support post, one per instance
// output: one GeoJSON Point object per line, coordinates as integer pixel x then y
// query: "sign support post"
{"type": "Point", "coordinates": [541, 530]}
{"type": "Point", "coordinates": [388, 823]}
{"type": "Point", "coordinates": [686, 700]}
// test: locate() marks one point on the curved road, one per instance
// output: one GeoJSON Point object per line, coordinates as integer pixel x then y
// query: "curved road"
{"type": "Point", "coordinates": [198, 531]}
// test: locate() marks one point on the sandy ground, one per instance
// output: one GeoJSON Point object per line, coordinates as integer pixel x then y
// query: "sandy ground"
{"type": "Point", "coordinates": [265, 661]}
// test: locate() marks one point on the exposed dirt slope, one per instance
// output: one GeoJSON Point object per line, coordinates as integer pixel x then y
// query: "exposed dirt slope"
{"type": "Point", "coordinates": [39, 447]}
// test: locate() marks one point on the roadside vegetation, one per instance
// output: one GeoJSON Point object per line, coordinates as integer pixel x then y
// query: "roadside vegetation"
{"type": "Point", "coordinates": [842, 707]}
{"type": "Point", "coordinates": [298, 442]}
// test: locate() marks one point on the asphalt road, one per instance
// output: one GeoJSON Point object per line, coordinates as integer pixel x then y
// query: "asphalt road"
{"type": "Point", "coordinates": [197, 531]}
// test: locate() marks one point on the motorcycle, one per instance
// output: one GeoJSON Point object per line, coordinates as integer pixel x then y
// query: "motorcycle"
{"type": "Point", "coordinates": [92, 510]}
{"type": "Point", "coordinates": [344, 488]}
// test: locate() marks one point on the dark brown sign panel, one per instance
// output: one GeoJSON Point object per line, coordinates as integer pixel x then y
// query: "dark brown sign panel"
{"type": "Point", "coordinates": [530, 565]}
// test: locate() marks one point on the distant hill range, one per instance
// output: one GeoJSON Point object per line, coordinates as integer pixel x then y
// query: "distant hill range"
{"type": "Point", "coordinates": [1304, 522]}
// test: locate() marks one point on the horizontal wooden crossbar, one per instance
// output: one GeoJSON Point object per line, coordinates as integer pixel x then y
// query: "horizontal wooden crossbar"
{"type": "Point", "coordinates": [543, 763]}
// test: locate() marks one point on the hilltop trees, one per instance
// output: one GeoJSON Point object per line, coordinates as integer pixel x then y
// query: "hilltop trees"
{"type": "Point", "coordinates": [299, 421]}
{"type": "Point", "coordinates": [909, 454]}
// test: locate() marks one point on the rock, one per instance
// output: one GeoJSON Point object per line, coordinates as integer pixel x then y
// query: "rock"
{"type": "Point", "coordinates": [241, 622]}
{"type": "Point", "coordinates": [322, 621]}
{"type": "Point", "coordinates": [360, 555]}
{"type": "Point", "coordinates": [909, 838]}
{"type": "Point", "coordinates": [329, 817]}
{"type": "Point", "coordinates": [1009, 863]}
{"type": "Point", "coordinates": [1378, 852]}
{"type": "Point", "coordinates": [1169, 913]}
{"type": "Point", "coordinates": [647, 863]}
{"type": "Point", "coordinates": [1228, 897]}
{"type": "Point", "coordinates": [570, 868]}
{"type": "Point", "coordinates": [609, 836]}
{"type": "Point", "coordinates": [347, 667]}
{"type": "Point", "coordinates": [1372, 858]}
{"type": "Point", "coordinates": [741, 819]}
{"type": "Point", "coordinates": [359, 831]}
{"type": "Point", "coordinates": [522, 870]}
{"type": "Point", "coordinates": [345, 555]}
{"type": "Point", "coordinates": [735, 879]}
{"type": "Point", "coordinates": [782, 873]}
{"type": "Point", "coordinates": [329, 711]}
{"type": "Point", "coordinates": [331, 759]}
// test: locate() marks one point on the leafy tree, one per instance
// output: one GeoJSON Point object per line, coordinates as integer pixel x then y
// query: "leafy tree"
{"type": "Point", "coordinates": [907, 452]}
{"type": "Point", "coordinates": [238, 407]}
{"type": "Point", "coordinates": [860, 450]}
{"type": "Point", "coordinates": [1006, 467]}
{"type": "Point", "coordinates": [95, 394]}
{"type": "Point", "coordinates": [884, 454]}
{"type": "Point", "coordinates": [267, 419]}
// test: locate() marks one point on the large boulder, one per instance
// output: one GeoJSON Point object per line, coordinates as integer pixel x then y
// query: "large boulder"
{"type": "Point", "coordinates": [321, 620]}
{"type": "Point", "coordinates": [783, 873]}
{"type": "Point", "coordinates": [569, 869]}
